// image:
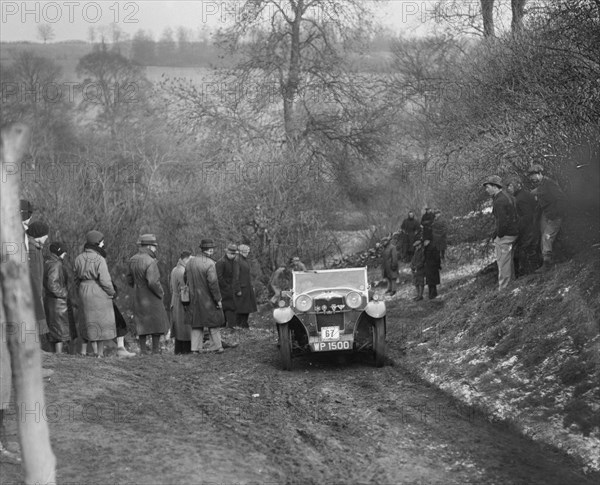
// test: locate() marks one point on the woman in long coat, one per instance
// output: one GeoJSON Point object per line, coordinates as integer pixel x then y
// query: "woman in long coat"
{"type": "Point", "coordinates": [205, 298]}
{"type": "Point", "coordinates": [96, 291]}
{"type": "Point", "coordinates": [149, 312]}
{"type": "Point", "coordinates": [244, 298]}
{"type": "Point", "coordinates": [56, 298]}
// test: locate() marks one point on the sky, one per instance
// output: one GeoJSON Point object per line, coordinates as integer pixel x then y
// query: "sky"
{"type": "Point", "coordinates": [72, 19]}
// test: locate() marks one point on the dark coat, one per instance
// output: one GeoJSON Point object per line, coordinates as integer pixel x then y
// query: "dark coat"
{"type": "Point", "coordinates": [96, 291]}
{"type": "Point", "coordinates": [439, 234]}
{"type": "Point", "coordinates": [417, 266]}
{"type": "Point", "coordinates": [505, 212]}
{"type": "Point", "coordinates": [412, 229]}
{"type": "Point", "coordinates": [180, 316]}
{"type": "Point", "coordinates": [56, 291]}
{"type": "Point", "coordinates": [201, 277]}
{"type": "Point", "coordinates": [390, 262]}
{"type": "Point", "coordinates": [225, 270]}
{"type": "Point", "coordinates": [432, 265]}
{"type": "Point", "coordinates": [242, 283]}
{"type": "Point", "coordinates": [526, 206]}
{"type": "Point", "coordinates": [551, 199]}
{"type": "Point", "coordinates": [148, 308]}
{"type": "Point", "coordinates": [427, 219]}
{"type": "Point", "coordinates": [36, 276]}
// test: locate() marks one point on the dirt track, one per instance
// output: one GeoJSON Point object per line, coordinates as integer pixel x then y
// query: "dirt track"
{"type": "Point", "coordinates": [237, 418]}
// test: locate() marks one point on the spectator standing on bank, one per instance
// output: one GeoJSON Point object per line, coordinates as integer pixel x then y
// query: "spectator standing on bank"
{"type": "Point", "coordinates": [181, 329]}
{"type": "Point", "coordinates": [439, 234]}
{"type": "Point", "coordinates": [205, 299]}
{"type": "Point", "coordinates": [148, 308]}
{"type": "Point", "coordinates": [505, 235]}
{"type": "Point", "coordinates": [527, 245]}
{"type": "Point", "coordinates": [226, 267]}
{"type": "Point", "coordinates": [551, 207]}
{"type": "Point", "coordinates": [96, 292]}
{"type": "Point", "coordinates": [244, 298]}
{"type": "Point", "coordinates": [427, 218]}
{"type": "Point", "coordinates": [417, 267]}
{"type": "Point", "coordinates": [432, 268]}
{"type": "Point", "coordinates": [390, 265]}
{"type": "Point", "coordinates": [410, 231]}
{"type": "Point", "coordinates": [37, 235]}
{"type": "Point", "coordinates": [59, 313]}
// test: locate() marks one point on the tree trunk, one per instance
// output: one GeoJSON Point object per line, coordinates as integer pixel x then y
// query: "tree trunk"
{"type": "Point", "coordinates": [518, 11]}
{"type": "Point", "coordinates": [487, 13]}
{"type": "Point", "coordinates": [293, 77]}
{"type": "Point", "coordinates": [39, 463]}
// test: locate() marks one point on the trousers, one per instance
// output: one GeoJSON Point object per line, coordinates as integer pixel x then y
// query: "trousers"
{"type": "Point", "coordinates": [504, 259]}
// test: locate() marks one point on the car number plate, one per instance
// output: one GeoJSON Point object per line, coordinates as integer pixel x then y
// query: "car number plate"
{"type": "Point", "coordinates": [330, 333]}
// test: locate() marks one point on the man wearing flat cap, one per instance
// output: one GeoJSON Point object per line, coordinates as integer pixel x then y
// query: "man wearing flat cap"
{"type": "Point", "coordinates": [205, 299]}
{"type": "Point", "coordinates": [551, 203]}
{"type": "Point", "coordinates": [507, 230]}
{"type": "Point", "coordinates": [149, 311]}
{"type": "Point", "coordinates": [226, 267]}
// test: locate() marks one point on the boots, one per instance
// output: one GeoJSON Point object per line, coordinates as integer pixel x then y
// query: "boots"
{"type": "Point", "coordinates": [546, 265]}
{"type": "Point", "coordinates": [143, 347]}
{"type": "Point", "coordinates": [419, 296]}
{"type": "Point", "coordinates": [156, 344]}
{"type": "Point", "coordinates": [432, 291]}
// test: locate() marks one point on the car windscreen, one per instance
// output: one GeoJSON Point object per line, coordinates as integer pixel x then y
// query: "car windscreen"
{"type": "Point", "coordinates": [355, 278]}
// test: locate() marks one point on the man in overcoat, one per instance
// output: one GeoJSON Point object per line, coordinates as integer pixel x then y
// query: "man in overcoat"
{"type": "Point", "coordinates": [148, 308]}
{"type": "Point", "coordinates": [181, 330]}
{"type": "Point", "coordinates": [226, 267]}
{"type": "Point", "coordinates": [205, 299]}
{"type": "Point", "coordinates": [244, 298]}
{"type": "Point", "coordinates": [410, 230]}
{"type": "Point", "coordinates": [56, 298]}
{"type": "Point", "coordinates": [37, 235]}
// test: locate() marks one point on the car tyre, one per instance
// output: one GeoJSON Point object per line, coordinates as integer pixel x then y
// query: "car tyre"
{"type": "Point", "coordinates": [285, 346]}
{"type": "Point", "coordinates": [379, 342]}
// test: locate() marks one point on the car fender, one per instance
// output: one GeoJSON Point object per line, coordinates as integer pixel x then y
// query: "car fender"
{"type": "Point", "coordinates": [283, 315]}
{"type": "Point", "coordinates": [375, 309]}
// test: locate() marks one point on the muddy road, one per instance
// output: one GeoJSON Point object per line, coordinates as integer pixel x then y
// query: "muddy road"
{"type": "Point", "coordinates": [238, 418]}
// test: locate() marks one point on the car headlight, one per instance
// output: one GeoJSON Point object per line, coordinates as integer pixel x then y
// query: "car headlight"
{"type": "Point", "coordinates": [353, 299]}
{"type": "Point", "coordinates": [303, 303]}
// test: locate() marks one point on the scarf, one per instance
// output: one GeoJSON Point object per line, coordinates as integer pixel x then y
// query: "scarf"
{"type": "Point", "coordinates": [96, 248]}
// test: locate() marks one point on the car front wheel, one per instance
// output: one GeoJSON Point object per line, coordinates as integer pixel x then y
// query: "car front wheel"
{"type": "Point", "coordinates": [285, 346]}
{"type": "Point", "coordinates": [379, 341]}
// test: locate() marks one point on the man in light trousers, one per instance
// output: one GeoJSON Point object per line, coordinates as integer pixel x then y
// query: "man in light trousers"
{"type": "Point", "coordinates": [507, 230]}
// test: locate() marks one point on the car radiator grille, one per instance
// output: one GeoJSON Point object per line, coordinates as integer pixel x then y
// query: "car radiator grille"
{"type": "Point", "coordinates": [332, 320]}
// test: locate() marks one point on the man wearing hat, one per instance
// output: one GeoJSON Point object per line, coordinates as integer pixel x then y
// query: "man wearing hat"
{"type": "Point", "coordinates": [507, 230]}
{"type": "Point", "coordinates": [551, 206]}
{"type": "Point", "coordinates": [427, 218]}
{"type": "Point", "coordinates": [244, 298]}
{"type": "Point", "coordinates": [298, 265]}
{"type": "Point", "coordinates": [56, 298]}
{"type": "Point", "coordinates": [37, 235]}
{"type": "Point", "coordinates": [389, 262]}
{"type": "Point", "coordinates": [148, 308]}
{"type": "Point", "coordinates": [409, 230]}
{"type": "Point", "coordinates": [205, 299]}
{"type": "Point", "coordinates": [226, 267]}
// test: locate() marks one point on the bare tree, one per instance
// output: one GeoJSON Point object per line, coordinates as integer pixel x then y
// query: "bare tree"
{"type": "Point", "coordinates": [518, 11]}
{"type": "Point", "coordinates": [45, 32]}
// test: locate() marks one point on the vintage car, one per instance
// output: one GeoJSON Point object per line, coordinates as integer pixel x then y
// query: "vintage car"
{"type": "Point", "coordinates": [330, 311]}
